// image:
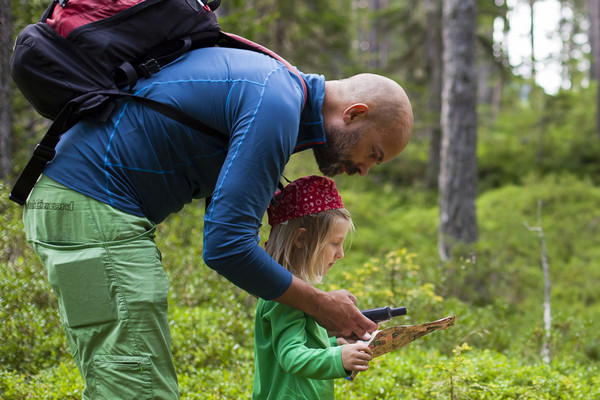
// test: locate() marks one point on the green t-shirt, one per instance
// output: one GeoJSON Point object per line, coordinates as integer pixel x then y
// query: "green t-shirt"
{"type": "Point", "coordinates": [293, 356]}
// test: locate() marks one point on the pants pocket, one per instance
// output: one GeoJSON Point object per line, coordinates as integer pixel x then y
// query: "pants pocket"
{"type": "Point", "coordinates": [122, 377]}
{"type": "Point", "coordinates": [84, 289]}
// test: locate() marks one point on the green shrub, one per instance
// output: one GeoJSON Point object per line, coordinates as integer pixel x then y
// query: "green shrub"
{"type": "Point", "coordinates": [31, 332]}
{"type": "Point", "coordinates": [414, 373]}
{"type": "Point", "coordinates": [61, 381]}
{"type": "Point", "coordinates": [495, 289]}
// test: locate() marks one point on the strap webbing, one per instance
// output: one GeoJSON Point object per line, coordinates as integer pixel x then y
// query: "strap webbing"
{"type": "Point", "coordinates": [236, 41]}
{"type": "Point", "coordinates": [44, 152]}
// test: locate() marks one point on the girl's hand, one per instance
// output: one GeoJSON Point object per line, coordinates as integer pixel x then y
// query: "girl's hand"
{"type": "Point", "coordinates": [356, 357]}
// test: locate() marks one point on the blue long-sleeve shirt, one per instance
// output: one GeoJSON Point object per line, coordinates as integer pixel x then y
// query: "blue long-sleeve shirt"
{"type": "Point", "coordinates": [147, 164]}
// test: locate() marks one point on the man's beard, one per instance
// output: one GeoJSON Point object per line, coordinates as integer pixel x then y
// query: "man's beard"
{"type": "Point", "coordinates": [334, 158]}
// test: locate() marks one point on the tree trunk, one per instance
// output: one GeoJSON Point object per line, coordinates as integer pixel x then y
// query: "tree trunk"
{"type": "Point", "coordinates": [378, 42]}
{"type": "Point", "coordinates": [279, 37]}
{"type": "Point", "coordinates": [532, 42]}
{"type": "Point", "coordinates": [6, 41]}
{"type": "Point", "coordinates": [433, 45]}
{"type": "Point", "coordinates": [547, 308]}
{"type": "Point", "coordinates": [594, 37]}
{"type": "Point", "coordinates": [545, 353]}
{"type": "Point", "coordinates": [458, 169]}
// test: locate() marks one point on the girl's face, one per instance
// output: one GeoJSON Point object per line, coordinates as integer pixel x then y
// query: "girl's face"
{"type": "Point", "coordinates": [334, 248]}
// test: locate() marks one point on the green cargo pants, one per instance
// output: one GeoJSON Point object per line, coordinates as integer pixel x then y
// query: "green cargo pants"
{"type": "Point", "coordinates": [106, 272]}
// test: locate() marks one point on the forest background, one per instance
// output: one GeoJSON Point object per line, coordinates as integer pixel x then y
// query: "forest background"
{"type": "Point", "coordinates": [523, 283]}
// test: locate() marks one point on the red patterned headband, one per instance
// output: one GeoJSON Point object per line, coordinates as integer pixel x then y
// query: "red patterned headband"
{"type": "Point", "coordinates": [304, 196]}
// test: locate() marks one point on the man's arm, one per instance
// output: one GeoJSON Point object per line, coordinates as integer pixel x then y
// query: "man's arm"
{"type": "Point", "coordinates": [335, 311]}
{"type": "Point", "coordinates": [264, 122]}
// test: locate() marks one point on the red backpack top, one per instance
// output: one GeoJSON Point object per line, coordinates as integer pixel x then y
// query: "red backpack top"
{"type": "Point", "coordinates": [80, 12]}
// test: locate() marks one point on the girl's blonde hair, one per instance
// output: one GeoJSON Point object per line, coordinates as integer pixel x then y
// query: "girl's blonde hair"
{"type": "Point", "coordinates": [306, 263]}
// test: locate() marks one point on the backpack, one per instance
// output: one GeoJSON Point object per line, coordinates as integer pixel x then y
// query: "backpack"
{"type": "Point", "coordinates": [84, 54]}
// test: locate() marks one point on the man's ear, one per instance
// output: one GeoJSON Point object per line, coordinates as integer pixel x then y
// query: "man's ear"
{"type": "Point", "coordinates": [357, 110]}
{"type": "Point", "coordinates": [300, 238]}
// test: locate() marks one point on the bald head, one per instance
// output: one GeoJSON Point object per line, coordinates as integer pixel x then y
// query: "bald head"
{"type": "Point", "coordinates": [369, 109]}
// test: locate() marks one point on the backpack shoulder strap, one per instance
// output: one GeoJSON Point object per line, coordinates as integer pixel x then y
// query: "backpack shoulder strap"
{"type": "Point", "coordinates": [239, 42]}
{"type": "Point", "coordinates": [45, 151]}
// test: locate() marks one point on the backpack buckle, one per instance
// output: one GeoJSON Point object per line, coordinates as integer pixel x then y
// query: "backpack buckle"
{"type": "Point", "coordinates": [43, 152]}
{"type": "Point", "coordinates": [149, 67]}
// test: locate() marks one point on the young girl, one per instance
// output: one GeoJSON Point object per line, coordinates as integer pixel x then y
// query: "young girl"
{"type": "Point", "coordinates": [294, 357]}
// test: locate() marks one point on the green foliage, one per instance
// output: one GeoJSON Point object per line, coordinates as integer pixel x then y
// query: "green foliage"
{"type": "Point", "coordinates": [534, 148]}
{"type": "Point", "coordinates": [214, 351]}
{"type": "Point", "coordinates": [468, 374]}
{"type": "Point", "coordinates": [298, 31]}
{"type": "Point", "coordinates": [31, 332]}
{"type": "Point", "coordinates": [539, 134]}
{"type": "Point", "coordinates": [27, 12]}
{"type": "Point", "coordinates": [494, 289]}
{"type": "Point", "coordinates": [60, 381]}
{"type": "Point", "coordinates": [386, 281]}
{"type": "Point", "coordinates": [212, 337]}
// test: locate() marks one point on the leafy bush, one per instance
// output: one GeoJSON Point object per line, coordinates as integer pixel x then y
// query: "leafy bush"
{"type": "Point", "coordinates": [60, 381]}
{"type": "Point", "coordinates": [543, 135]}
{"type": "Point", "coordinates": [494, 288]}
{"type": "Point", "coordinates": [31, 332]}
{"type": "Point", "coordinates": [468, 373]}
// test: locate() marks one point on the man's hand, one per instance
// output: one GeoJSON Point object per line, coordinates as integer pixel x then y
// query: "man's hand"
{"type": "Point", "coordinates": [345, 340]}
{"type": "Point", "coordinates": [338, 314]}
{"type": "Point", "coordinates": [335, 311]}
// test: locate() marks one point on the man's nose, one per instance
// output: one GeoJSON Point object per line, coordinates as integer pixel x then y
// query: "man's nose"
{"type": "Point", "coordinates": [363, 169]}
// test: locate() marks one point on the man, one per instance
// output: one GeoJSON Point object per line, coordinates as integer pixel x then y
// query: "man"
{"type": "Point", "coordinates": [91, 216]}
